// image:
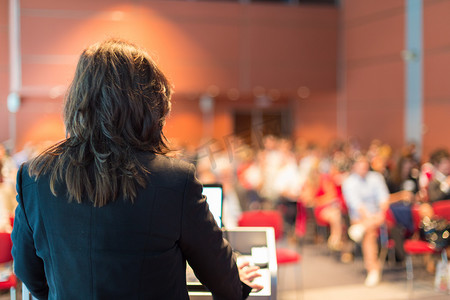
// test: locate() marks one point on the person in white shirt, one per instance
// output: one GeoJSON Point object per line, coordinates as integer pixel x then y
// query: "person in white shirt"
{"type": "Point", "coordinates": [366, 195]}
{"type": "Point", "coordinates": [270, 161]}
{"type": "Point", "coordinates": [287, 186]}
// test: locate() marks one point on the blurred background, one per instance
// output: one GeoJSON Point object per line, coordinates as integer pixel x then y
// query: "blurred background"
{"type": "Point", "coordinates": [318, 70]}
{"type": "Point", "coordinates": [265, 91]}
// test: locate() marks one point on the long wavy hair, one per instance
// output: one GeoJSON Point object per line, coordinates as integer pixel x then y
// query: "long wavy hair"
{"type": "Point", "coordinates": [114, 113]}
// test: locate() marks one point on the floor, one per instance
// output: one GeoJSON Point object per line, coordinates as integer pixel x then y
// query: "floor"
{"type": "Point", "coordinates": [322, 276]}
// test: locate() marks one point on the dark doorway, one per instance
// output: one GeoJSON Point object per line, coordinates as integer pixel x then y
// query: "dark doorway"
{"type": "Point", "coordinates": [252, 126]}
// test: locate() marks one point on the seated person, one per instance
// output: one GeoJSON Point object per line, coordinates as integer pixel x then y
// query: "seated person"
{"type": "Point", "coordinates": [403, 187]}
{"type": "Point", "coordinates": [367, 197]}
{"type": "Point", "coordinates": [327, 207]}
{"type": "Point", "coordinates": [439, 186]}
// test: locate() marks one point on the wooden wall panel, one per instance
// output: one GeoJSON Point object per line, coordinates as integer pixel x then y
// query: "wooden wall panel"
{"type": "Point", "coordinates": [436, 75]}
{"type": "Point", "coordinates": [78, 5]}
{"type": "Point", "coordinates": [376, 82]}
{"type": "Point", "coordinates": [4, 70]}
{"type": "Point", "coordinates": [305, 39]}
{"type": "Point", "coordinates": [373, 33]}
{"type": "Point", "coordinates": [197, 44]}
{"type": "Point", "coordinates": [383, 37]}
{"type": "Point", "coordinates": [315, 118]}
{"type": "Point", "coordinates": [4, 114]}
{"type": "Point", "coordinates": [362, 11]}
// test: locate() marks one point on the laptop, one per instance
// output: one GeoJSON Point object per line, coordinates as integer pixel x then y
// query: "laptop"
{"type": "Point", "coordinates": [214, 198]}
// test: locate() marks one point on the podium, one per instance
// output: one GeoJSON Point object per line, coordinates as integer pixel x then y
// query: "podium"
{"type": "Point", "coordinates": [243, 240]}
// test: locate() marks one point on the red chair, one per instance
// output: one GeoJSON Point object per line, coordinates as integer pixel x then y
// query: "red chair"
{"type": "Point", "coordinates": [6, 257]}
{"type": "Point", "coordinates": [442, 209]}
{"type": "Point", "coordinates": [270, 218]}
{"type": "Point", "coordinates": [300, 220]}
{"type": "Point", "coordinates": [415, 247]}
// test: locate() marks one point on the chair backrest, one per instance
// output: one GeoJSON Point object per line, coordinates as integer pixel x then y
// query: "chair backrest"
{"type": "Point", "coordinates": [5, 247]}
{"type": "Point", "coordinates": [442, 209]}
{"type": "Point", "coordinates": [263, 218]}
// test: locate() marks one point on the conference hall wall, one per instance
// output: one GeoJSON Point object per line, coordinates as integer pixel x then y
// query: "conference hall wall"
{"type": "Point", "coordinates": [4, 75]}
{"type": "Point", "coordinates": [372, 77]}
{"type": "Point", "coordinates": [372, 89]}
{"type": "Point", "coordinates": [436, 78]}
{"type": "Point", "coordinates": [230, 51]}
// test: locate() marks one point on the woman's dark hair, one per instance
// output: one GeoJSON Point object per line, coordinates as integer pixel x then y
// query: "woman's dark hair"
{"type": "Point", "coordinates": [114, 111]}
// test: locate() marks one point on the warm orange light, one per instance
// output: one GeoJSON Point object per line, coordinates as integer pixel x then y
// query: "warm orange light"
{"type": "Point", "coordinates": [47, 128]}
{"type": "Point", "coordinates": [178, 54]}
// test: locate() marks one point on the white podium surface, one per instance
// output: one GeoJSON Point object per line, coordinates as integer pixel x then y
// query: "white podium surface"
{"type": "Point", "coordinates": [243, 239]}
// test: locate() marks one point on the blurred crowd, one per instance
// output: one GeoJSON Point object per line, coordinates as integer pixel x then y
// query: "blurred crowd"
{"type": "Point", "coordinates": [351, 192]}
{"type": "Point", "coordinates": [278, 172]}
{"type": "Point", "coordinates": [306, 183]}
{"type": "Point", "coordinates": [9, 164]}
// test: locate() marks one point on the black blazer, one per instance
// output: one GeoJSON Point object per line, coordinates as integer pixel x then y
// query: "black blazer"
{"type": "Point", "coordinates": [127, 251]}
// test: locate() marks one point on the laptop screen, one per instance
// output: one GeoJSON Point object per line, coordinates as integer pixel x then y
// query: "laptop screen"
{"type": "Point", "coordinates": [214, 198]}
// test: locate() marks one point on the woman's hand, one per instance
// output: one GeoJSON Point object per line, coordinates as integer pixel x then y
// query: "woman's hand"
{"type": "Point", "coordinates": [247, 274]}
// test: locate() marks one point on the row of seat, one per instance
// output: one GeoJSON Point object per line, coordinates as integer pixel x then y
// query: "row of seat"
{"type": "Point", "coordinates": [419, 247]}
{"type": "Point", "coordinates": [6, 258]}
{"type": "Point", "coordinates": [272, 218]}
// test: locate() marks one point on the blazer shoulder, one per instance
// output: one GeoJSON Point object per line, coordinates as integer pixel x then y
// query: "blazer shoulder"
{"type": "Point", "coordinates": [23, 176]}
{"type": "Point", "coordinates": [168, 171]}
{"type": "Point", "coordinates": [165, 163]}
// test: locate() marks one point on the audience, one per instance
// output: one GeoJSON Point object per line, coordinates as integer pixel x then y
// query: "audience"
{"type": "Point", "coordinates": [279, 176]}
{"type": "Point", "coordinates": [439, 187]}
{"type": "Point", "coordinates": [7, 190]}
{"type": "Point", "coordinates": [7, 196]}
{"type": "Point", "coordinates": [276, 175]}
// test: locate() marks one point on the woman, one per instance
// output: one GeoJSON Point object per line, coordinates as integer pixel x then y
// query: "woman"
{"type": "Point", "coordinates": [403, 188]}
{"type": "Point", "coordinates": [104, 214]}
{"type": "Point", "coordinates": [327, 207]}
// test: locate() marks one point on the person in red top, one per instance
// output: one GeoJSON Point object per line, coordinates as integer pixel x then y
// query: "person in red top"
{"type": "Point", "coordinates": [321, 193]}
